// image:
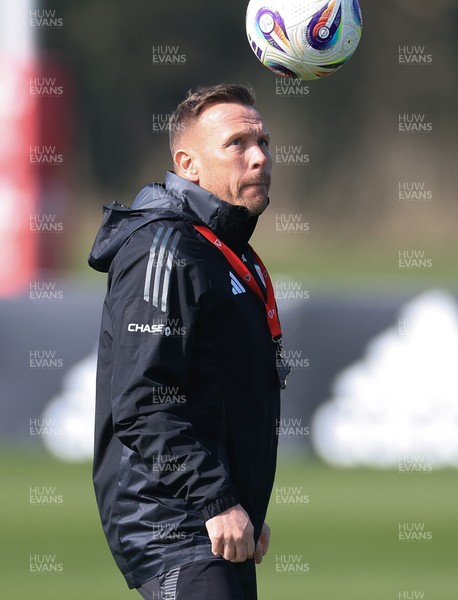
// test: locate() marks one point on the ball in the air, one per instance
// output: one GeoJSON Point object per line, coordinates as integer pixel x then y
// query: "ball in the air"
{"type": "Point", "coordinates": [304, 39]}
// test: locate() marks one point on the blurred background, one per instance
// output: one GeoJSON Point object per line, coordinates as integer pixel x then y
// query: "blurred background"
{"type": "Point", "coordinates": [360, 239]}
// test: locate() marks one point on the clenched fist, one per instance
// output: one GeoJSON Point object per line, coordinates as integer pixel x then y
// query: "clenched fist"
{"type": "Point", "coordinates": [231, 534]}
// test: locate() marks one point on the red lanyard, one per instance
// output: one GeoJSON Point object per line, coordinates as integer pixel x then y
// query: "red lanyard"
{"type": "Point", "coordinates": [242, 271]}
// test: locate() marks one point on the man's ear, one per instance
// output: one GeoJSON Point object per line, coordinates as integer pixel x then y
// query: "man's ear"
{"type": "Point", "coordinates": [185, 163]}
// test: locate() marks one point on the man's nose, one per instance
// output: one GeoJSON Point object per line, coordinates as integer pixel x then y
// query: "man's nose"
{"type": "Point", "coordinates": [259, 156]}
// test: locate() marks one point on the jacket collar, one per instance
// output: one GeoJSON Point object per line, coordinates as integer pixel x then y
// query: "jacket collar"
{"type": "Point", "coordinates": [230, 222]}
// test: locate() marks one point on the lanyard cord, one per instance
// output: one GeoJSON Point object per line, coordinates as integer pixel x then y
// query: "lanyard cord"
{"type": "Point", "coordinates": [242, 271]}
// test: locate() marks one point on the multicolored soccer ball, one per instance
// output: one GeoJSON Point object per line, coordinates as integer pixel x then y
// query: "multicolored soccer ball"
{"type": "Point", "coordinates": [304, 39]}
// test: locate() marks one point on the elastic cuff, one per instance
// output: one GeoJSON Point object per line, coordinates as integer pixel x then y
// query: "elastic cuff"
{"type": "Point", "coordinates": [215, 507]}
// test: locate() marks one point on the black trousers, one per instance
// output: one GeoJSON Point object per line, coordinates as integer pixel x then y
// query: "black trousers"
{"type": "Point", "coordinates": [214, 579]}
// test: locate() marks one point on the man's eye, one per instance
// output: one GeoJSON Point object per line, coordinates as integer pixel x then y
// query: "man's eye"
{"type": "Point", "coordinates": [236, 142]}
{"type": "Point", "coordinates": [264, 142]}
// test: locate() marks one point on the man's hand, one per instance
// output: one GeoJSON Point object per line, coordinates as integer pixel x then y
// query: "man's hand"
{"type": "Point", "coordinates": [263, 544]}
{"type": "Point", "coordinates": [231, 534]}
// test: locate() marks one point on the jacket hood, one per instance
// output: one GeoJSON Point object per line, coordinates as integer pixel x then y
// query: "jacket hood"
{"type": "Point", "coordinates": [176, 199]}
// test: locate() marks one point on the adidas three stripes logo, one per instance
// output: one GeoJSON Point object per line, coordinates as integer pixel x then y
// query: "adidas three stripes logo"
{"type": "Point", "coordinates": [237, 287]}
{"type": "Point", "coordinates": [159, 268]}
{"type": "Point", "coordinates": [161, 256]}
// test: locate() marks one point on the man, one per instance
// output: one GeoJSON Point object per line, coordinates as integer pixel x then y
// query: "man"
{"type": "Point", "coordinates": [190, 368]}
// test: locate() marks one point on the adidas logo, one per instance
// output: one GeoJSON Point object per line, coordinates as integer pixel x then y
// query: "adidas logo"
{"type": "Point", "coordinates": [237, 287]}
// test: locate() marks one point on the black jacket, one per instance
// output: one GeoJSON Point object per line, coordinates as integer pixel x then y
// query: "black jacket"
{"type": "Point", "coordinates": [187, 388]}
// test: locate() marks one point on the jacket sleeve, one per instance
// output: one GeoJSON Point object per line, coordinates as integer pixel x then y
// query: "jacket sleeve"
{"type": "Point", "coordinates": [156, 295]}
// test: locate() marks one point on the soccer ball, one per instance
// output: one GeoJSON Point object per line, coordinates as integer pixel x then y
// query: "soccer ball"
{"type": "Point", "coordinates": [303, 39]}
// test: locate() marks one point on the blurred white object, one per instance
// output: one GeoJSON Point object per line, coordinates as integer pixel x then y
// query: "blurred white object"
{"type": "Point", "coordinates": [17, 37]}
{"type": "Point", "coordinates": [72, 413]}
{"type": "Point", "coordinates": [19, 126]}
{"type": "Point", "coordinates": [399, 404]}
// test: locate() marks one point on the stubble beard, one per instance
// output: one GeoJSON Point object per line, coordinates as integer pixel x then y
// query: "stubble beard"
{"type": "Point", "coordinates": [258, 204]}
{"type": "Point", "coordinates": [255, 205]}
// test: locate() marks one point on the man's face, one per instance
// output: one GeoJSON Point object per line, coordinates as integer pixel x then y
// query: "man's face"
{"type": "Point", "coordinates": [229, 150]}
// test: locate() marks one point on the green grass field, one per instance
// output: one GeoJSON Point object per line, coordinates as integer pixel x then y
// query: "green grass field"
{"type": "Point", "coordinates": [347, 534]}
